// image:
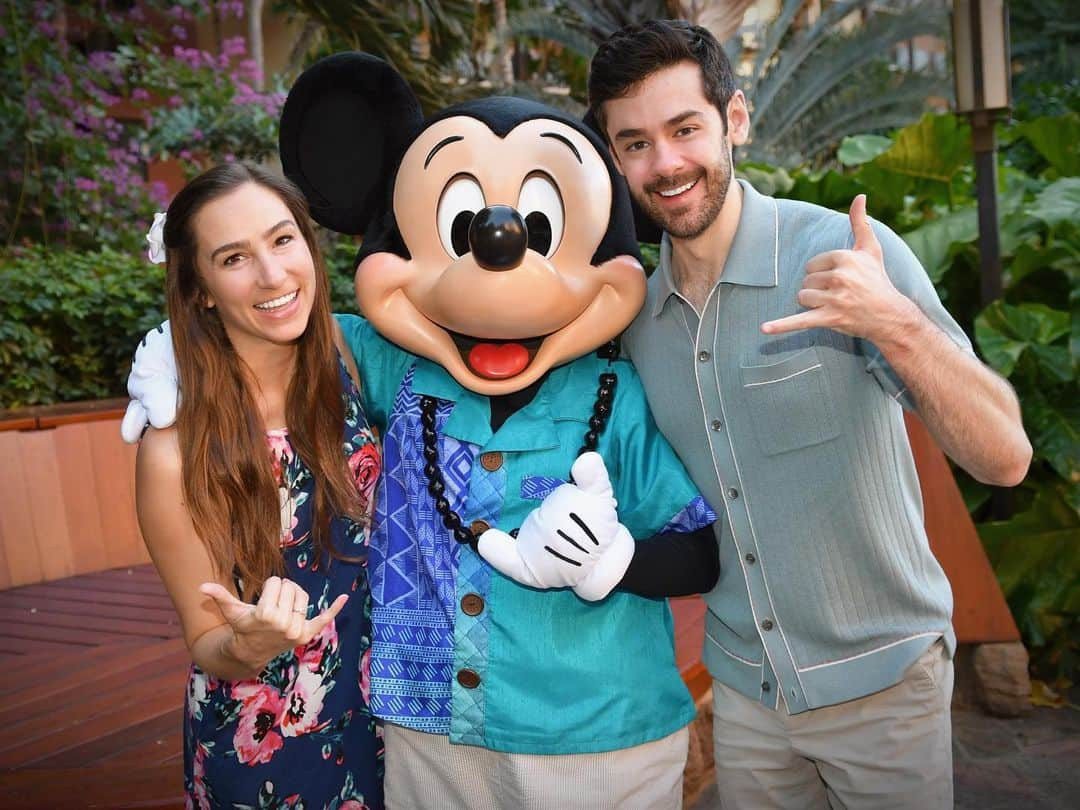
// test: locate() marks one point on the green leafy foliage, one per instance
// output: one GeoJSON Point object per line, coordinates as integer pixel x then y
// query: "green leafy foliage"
{"type": "Point", "coordinates": [856, 150]}
{"type": "Point", "coordinates": [70, 321]}
{"type": "Point", "coordinates": [1057, 140]}
{"type": "Point", "coordinates": [1036, 557]}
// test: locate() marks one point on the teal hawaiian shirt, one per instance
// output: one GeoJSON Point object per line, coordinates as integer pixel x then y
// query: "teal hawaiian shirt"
{"type": "Point", "coordinates": [459, 649]}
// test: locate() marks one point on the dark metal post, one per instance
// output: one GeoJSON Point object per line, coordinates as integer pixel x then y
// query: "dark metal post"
{"type": "Point", "coordinates": [985, 146]}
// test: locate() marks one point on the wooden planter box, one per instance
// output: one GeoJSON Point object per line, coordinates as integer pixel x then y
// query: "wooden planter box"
{"type": "Point", "coordinates": [67, 493]}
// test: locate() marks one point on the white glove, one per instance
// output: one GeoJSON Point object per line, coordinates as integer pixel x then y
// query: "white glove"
{"type": "Point", "coordinates": [573, 539]}
{"type": "Point", "coordinates": [152, 385]}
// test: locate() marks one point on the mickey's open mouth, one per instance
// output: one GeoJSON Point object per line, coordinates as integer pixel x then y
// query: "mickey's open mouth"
{"type": "Point", "coordinates": [496, 359]}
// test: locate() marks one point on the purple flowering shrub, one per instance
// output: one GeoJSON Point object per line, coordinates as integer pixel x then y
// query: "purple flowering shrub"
{"type": "Point", "coordinates": [93, 94]}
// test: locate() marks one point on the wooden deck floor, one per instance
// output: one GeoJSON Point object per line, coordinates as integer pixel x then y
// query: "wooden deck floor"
{"type": "Point", "coordinates": [92, 675]}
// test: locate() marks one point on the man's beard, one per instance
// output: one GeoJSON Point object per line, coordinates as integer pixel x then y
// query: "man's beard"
{"type": "Point", "coordinates": [689, 222]}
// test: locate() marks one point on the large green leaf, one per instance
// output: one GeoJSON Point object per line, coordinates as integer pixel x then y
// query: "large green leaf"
{"type": "Point", "coordinates": [935, 148]}
{"type": "Point", "coordinates": [1016, 225]}
{"type": "Point", "coordinates": [885, 190]}
{"type": "Point", "coordinates": [1056, 138]}
{"type": "Point", "coordinates": [1054, 428]}
{"type": "Point", "coordinates": [1004, 332]}
{"type": "Point", "coordinates": [1055, 362]}
{"type": "Point", "coordinates": [1059, 202]}
{"type": "Point", "coordinates": [1000, 351]}
{"type": "Point", "coordinates": [1036, 557]}
{"type": "Point", "coordinates": [772, 182]}
{"type": "Point", "coordinates": [933, 242]}
{"type": "Point", "coordinates": [829, 189]}
{"type": "Point", "coordinates": [856, 150]}
{"type": "Point", "coordinates": [1033, 323]}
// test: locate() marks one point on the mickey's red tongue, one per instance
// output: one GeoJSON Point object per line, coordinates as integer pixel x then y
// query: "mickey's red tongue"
{"type": "Point", "coordinates": [497, 361]}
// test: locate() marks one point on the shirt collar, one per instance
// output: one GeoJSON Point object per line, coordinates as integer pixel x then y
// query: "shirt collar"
{"type": "Point", "coordinates": [753, 260]}
{"type": "Point", "coordinates": [531, 428]}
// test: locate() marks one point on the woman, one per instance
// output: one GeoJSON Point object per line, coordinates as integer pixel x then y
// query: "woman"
{"type": "Point", "coordinates": [253, 508]}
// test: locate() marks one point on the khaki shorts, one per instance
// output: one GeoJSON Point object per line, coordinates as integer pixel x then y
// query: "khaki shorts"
{"type": "Point", "coordinates": [891, 749]}
{"type": "Point", "coordinates": [426, 772]}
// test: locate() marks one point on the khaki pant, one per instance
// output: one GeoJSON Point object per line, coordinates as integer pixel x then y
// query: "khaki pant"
{"type": "Point", "coordinates": [891, 749]}
{"type": "Point", "coordinates": [426, 772]}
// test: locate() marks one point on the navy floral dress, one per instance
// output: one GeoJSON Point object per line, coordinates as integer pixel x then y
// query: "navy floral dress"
{"type": "Point", "coordinates": [301, 735]}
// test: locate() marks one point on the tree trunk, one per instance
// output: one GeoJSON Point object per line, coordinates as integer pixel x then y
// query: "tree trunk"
{"type": "Point", "coordinates": [311, 33]}
{"type": "Point", "coordinates": [255, 40]}
{"type": "Point", "coordinates": [504, 64]}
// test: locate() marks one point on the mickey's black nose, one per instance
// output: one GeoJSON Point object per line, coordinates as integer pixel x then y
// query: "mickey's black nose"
{"type": "Point", "coordinates": [498, 238]}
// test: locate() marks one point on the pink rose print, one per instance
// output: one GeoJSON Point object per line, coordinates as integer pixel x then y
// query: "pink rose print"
{"type": "Point", "coordinates": [352, 804]}
{"type": "Point", "coordinates": [255, 739]}
{"type": "Point", "coordinates": [365, 676]}
{"type": "Point", "coordinates": [364, 464]}
{"type": "Point", "coordinates": [281, 452]}
{"type": "Point", "coordinates": [303, 702]}
{"type": "Point", "coordinates": [310, 656]}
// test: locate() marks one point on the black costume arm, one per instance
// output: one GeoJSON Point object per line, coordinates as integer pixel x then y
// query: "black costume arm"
{"type": "Point", "coordinates": [673, 564]}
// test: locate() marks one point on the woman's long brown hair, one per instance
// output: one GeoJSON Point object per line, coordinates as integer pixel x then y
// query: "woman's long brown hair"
{"type": "Point", "coordinates": [227, 472]}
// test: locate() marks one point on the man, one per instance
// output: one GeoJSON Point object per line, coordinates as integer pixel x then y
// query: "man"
{"type": "Point", "coordinates": [777, 344]}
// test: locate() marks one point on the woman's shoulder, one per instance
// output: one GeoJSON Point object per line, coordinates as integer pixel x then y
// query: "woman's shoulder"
{"type": "Point", "coordinates": [159, 453]}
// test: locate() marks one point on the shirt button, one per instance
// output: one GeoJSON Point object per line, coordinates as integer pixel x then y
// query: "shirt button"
{"type": "Point", "coordinates": [472, 604]}
{"type": "Point", "coordinates": [491, 461]}
{"type": "Point", "coordinates": [468, 678]}
{"type": "Point", "coordinates": [765, 687]}
{"type": "Point", "coordinates": [478, 527]}
{"type": "Point", "coordinates": [703, 356]}
{"type": "Point", "coordinates": [750, 558]}
{"type": "Point", "coordinates": [766, 624]}
{"type": "Point", "coordinates": [717, 424]}
{"type": "Point", "coordinates": [732, 493]}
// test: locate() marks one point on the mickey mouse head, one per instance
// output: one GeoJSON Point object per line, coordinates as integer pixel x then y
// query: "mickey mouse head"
{"type": "Point", "coordinates": [499, 240]}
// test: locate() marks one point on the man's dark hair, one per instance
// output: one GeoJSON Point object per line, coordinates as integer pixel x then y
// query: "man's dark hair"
{"type": "Point", "coordinates": [635, 52]}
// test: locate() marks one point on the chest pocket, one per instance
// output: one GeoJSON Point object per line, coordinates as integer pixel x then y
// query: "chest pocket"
{"type": "Point", "coordinates": [538, 487]}
{"type": "Point", "coordinates": [789, 402]}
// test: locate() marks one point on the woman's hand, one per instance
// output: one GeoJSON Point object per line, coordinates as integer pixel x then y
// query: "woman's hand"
{"type": "Point", "coordinates": [278, 622]}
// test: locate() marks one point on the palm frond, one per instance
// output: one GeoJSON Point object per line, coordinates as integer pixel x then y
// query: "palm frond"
{"type": "Point", "coordinates": [836, 62]}
{"type": "Point", "coordinates": [542, 24]}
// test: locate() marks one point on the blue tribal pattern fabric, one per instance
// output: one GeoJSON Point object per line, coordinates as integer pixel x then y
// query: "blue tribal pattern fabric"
{"type": "Point", "coordinates": [412, 563]}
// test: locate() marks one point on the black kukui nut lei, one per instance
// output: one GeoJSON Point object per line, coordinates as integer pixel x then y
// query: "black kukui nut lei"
{"type": "Point", "coordinates": [605, 396]}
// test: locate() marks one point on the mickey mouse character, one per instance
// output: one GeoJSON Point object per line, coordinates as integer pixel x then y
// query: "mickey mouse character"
{"type": "Point", "coordinates": [516, 612]}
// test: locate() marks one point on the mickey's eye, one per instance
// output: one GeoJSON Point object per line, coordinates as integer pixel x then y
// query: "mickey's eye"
{"type": "Point", "coordinates": [460, 201]}
{"type": "Point", "coordinates": [541, 206]}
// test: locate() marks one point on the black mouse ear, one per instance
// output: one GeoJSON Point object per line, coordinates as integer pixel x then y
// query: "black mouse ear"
{"type": "Point", "coordinates": [647, 231]}
{"type": "Point", "coordinates": [346, 123]}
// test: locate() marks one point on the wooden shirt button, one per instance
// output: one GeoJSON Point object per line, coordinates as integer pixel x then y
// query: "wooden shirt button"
{"type": "Point", "coordinates": [491, 461]}
{"type": "Point", "coordinates": [472, 604]}
{"type": "Point", "coordinates": [468, 678]}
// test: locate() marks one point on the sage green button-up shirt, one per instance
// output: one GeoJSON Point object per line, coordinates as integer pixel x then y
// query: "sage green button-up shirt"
{"type": "Point", "coordinates": [828, 590]}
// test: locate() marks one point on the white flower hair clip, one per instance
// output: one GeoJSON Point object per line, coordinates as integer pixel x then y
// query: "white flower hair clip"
{"type": "Point", "coordinates": [156, 237]}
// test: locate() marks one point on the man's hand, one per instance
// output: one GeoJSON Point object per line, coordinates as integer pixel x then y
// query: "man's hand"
{"type": "Point", "coordinates": [573, 539]}
{"type": "Point", "coordinates": [152, 385]}
{"type": "Point", "coordinates": [849, 290]}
